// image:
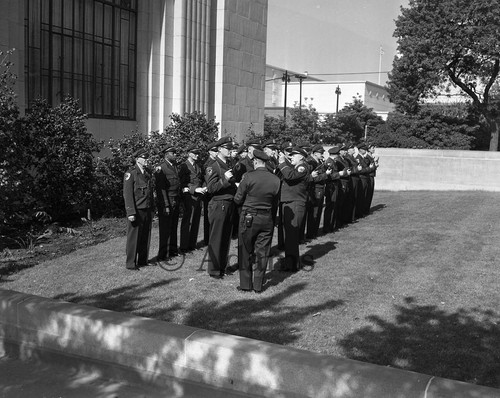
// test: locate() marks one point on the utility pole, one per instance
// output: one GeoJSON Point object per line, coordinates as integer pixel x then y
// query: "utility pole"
{"type": "Point", "coordinates": [286, 79]}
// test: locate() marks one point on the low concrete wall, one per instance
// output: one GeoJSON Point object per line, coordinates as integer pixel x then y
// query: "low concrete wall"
{"type": "Point", "coordinates": [437, 170]}
{"type": "Point", "coordinates": [155, 349]}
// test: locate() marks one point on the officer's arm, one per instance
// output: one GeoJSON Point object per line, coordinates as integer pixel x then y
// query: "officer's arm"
{"type": "Point", "coordinates": [161, 184]}
{"type": "Point", "coordinates": [291, 173]}
{"type": "Point", "coordinates": [241, 192]}
{"type": "Point", "coordinates": [128, 194]}
{"type": "Point", "coordinates": [215, 179]}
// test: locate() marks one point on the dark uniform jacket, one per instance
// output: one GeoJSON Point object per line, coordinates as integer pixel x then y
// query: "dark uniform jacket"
{"type": "Point", "coordinates": [365, 163]}
{"type": "Point", "coordinates": [218, 186]}
{"type": "Point", "coordinates": [137, 191]}
{"type": "Point", "coordinates": [295, 181]}
{"type": "Point", "coordinates": [190, 176]}
{"type": "Point", "coordinates": [258, 190]}
{"type": "Point", "coordinates": [167, 185]}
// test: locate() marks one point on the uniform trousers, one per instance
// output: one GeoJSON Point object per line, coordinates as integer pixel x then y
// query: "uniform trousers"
{"type": "Point", "coordinates": [332, 195]}
{"type": "Point", "coordinates": [220, 213]}
{"type": "Point", "coordinates": [293, 216]}
{"type": "Point", "coordinates": [167, 226]}
{"type": "Point", "coordinates": [371, 189]}
{"type": "Point", "coordinates": [356, 196]}
{"type": "Point", "coordinates": [315, 211]}
{"type": "Point", "coordinates": [279, 227]}
{"type": "Point", "coordinates": [363, 196]}
{"type": "Point", "coordinates": [138, 239]}
{"type": "Point", "coordinates": [254, 247]}
{"type": "Point", "coordinates": [206, 223]}
{"type": "Point", "coordinates": [190, 222]}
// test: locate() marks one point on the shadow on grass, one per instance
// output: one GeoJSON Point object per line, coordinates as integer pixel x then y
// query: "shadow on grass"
{"type": "Point", "coordinates": [378, 207]}
{"type": "Point", "coordinates": [462, 345]}
{"type": "Point", "coordinates": [128, 298]}
{"type": "Point", "coordinates": [316, 251]}
{"type": "Point", "coordinates": [266, 319]}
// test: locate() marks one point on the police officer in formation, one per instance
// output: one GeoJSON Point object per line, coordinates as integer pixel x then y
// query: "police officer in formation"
{"type": "Point", "coordinates": [257, 195]}
{"type": "Point", "coordinates": [167, 197]}
{"type": "Point", "coordinates": [221, 186]}
{"type": "Point", "coordinates": [138, 196]}
{"type": "Point", "coordinates": [283, 185]}
{"type": "Point", "coordinates": [193, 191]}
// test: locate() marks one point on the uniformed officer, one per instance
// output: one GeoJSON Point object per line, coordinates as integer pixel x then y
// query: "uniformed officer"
{"type": "Point", "coordinates": [222, 187]}
{"type": "Point", "coordinates": [306, 146]}
{"type": "Point", "coordinates": [356, 181]}
{"type": "Point", "coordinates": [138, 196]}
{"type": "Point", "coordinates": [270, 148]}
{"type": "Point", "coordinates": [365, 167]}
{"type": "Point", "coordinates": [167, 196]}
{"type": "Point", "coordinates": [258, 196]}
{"type": "Point", "coordinates": [295, 179]}
{"type": "Point", "coordinates": [191, 180]}
{"type": "Point", "coordinates": [286, 148]}
{"type": "Point", "coordinates": [316, 191]}
{"type": "Point", "coordinates": [374, 160]}
{"type": "Point", "coordinates": [345, 207]}
{"type": "Point", "coordinates": [335, 194]}
{"type": "Point", "coordinates": [212, 154]}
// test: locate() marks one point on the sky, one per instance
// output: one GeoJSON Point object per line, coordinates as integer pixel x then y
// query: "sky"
{"type": "Point", "coordinates": [333, 37]}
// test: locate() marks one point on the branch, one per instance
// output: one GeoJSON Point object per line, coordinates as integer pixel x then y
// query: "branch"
{"type": "Point", "coordinates": [493, 77]}
{"type": "Point", "coordinates": [455, 79]}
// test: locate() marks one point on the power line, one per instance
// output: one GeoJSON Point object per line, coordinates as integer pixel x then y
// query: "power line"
{"type": "Point", "coordinates": [348, 73]}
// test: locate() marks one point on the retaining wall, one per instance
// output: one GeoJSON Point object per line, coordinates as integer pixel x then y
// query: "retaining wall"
{"type": "Point", "coordinates": [155, 349]}
{"type": "Point", "coordinates": [437, 170]}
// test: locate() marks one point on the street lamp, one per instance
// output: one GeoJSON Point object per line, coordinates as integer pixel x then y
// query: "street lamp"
{"type": "Point", "coordinates": [301, 78]}
{"type": "Point", "coordinates": [286, 79]}
{"type": "Point", "coordinates": [338, 92]}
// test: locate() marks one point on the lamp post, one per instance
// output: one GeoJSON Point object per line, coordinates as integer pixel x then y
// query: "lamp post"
{"type": "Point", "coordinates": [338, 92]}
{"type": "Point", "coordinates": [286, 79]}
{"type": "Point", "coordinates": [301, 78]}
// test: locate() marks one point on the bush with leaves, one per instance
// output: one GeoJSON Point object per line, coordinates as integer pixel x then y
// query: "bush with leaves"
{"type": "Point", "coordinates": [429, 129]}
{"type": "Point", "coordinates": [190, 129]}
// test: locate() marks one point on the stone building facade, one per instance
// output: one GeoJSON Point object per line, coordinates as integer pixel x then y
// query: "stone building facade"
{"type": "Point", "coordinates": [133, 63]}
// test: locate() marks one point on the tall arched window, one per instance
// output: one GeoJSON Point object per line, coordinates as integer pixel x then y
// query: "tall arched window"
{"type": "Point", "coordinates": [84, 48]}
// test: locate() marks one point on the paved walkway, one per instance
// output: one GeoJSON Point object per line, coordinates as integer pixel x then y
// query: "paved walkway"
{"type": "Point", "coordinates": [30, 379]}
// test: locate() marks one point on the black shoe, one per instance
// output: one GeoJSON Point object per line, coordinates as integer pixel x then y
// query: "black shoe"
{"type": "Point", "coordinates": [240, 289]}
{"type": "Point", "coordinates": [133, 269]}
{"type": "Point", "coordinates": [216, 276]}
{"type": "Point", "coordinates": [258, 291]}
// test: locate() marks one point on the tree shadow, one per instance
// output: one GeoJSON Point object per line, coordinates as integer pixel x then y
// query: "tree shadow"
{"type": "Point", "coordinates": [128, 298]}
{"type": "Point", "coordinates": [266, 318]}
{"type": "Point", "coordinates": [462, 345]}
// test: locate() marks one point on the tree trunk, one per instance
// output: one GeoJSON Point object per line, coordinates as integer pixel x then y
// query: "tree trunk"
{"type": "Point", "coordinates": [493, 125]}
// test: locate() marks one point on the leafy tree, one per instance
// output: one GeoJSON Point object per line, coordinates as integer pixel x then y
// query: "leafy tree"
{"type": "Point", "coordinates": [444, 42]}
{"type": "Point", "coordinates": [349, 124]}
{"type": "Point", "coordinates": [61, 155]}
{"type": "Point", "coordinates": [430, 128]}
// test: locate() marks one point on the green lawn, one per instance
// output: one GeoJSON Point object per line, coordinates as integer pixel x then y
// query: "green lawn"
{"type": "Point", "coordinates": [414, 286]}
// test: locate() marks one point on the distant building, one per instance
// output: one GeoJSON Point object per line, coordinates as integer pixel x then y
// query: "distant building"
{"type": "Point", "coordinates": [321, 94]}
{"type": "Point", "coordinates": [131, 63]}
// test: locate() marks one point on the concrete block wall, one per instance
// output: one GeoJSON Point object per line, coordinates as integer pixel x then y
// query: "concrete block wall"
{"type": "Point", "coordinates": [437, 170]}
{"type": "Point", "coordinates": [154, 350]}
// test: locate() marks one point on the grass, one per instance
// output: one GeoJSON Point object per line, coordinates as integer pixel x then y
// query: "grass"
{"type": "Point", "coordinates": [414, 286]}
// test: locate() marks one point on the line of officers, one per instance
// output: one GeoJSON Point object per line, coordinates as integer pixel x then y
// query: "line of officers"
{"type": "Point", "coordinates": [247, 191]}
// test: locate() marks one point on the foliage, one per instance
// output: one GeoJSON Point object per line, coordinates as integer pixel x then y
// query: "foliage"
{"type": "Point", "coordinates": [430, 128]}
{"type": "Point", "coordinates": [61, 154]}
{"type": "Point", "coordinates": [348, 125]}
{"type": "Point", "coordinates": [190, 129]}
{"type": "Point", "coordinates": [443, 42]}
{"type": "Point", "coordinates": [47, 163]}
